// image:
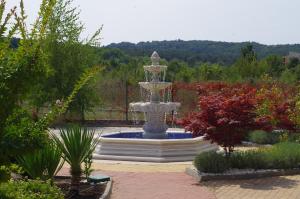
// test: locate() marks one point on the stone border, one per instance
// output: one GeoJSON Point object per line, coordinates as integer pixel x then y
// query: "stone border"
{"type": "Point", "coordinates": [239, 174]}
{"type": "Point", "coordinates": [108, 188]}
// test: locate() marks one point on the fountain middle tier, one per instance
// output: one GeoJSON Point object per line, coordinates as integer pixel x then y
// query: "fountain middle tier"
{"type": "Point", "coordinates": [155, 86]}
{"type": "Point", "coordinates": [162, 107]}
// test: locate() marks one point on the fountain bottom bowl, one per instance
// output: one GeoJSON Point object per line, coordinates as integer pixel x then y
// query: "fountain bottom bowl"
{"type": "Point", "coordinates": [131, 146]}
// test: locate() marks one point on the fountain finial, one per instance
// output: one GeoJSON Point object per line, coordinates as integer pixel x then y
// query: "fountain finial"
{"type": "Point", "coordinates": [155, 58]}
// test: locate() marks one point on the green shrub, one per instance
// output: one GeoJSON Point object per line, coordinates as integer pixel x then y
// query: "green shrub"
{"type": "Point", "coordinates": [6, 170]}
{"type": "Point", "coordinates": [262, 137]}
{"type": "Point", "coordinates": [21, 135]}
{"type": "Point", "coordinates": [252, 159]}
{"type": "Point", "coordinates": [211, 162]}
{"type": "Point", "coordinates": [31, 189]}
{"type": "Point", "coordinates": [285, 155]}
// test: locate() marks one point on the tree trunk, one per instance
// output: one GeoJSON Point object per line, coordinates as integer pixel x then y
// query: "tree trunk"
{"type": "Point", "coordinates": [75, 182]}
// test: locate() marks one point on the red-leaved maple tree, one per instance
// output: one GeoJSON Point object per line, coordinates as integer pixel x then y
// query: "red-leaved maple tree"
{"type": "Point", "coordinates": [275, 105]}
{"type": "Point", "coordinates": [227, 113]}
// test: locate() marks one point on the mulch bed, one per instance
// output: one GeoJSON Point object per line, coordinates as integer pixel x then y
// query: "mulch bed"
{"type": "Point", "coordinates": [87, 191]}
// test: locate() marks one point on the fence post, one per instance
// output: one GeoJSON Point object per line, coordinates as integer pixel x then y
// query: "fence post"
{"type": "Point", "coordinates": [126, 100]}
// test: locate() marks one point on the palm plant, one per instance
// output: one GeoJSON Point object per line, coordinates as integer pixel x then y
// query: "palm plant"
{"type": "Point", "coordinates": [44, 163]}
{"type": "Point", "coordinates": [77, 144]}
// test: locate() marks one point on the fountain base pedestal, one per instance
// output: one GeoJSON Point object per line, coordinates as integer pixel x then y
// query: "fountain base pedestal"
{"type": "Point", "coordinates": [155, 127]}
{"type": "Point", "coordinates": [131, 146]}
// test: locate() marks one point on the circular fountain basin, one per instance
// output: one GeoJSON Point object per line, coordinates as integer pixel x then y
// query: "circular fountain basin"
{"type": "Point", "coordinates": [131, 146]}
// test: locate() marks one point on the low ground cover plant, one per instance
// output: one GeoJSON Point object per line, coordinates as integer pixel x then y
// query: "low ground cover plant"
{"type": "Point", "coordinates": [31, 189]}
{"type": "Point", "coordinates": [284, 155]}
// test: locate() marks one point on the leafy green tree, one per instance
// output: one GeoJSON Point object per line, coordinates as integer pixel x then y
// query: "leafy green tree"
{"type": "Point", "coordinates": [275, 65]}
{"type": "Point", "coordinates": [20, 68]}
{"type": "Point", "coordinates": [178, 71]}
{"type": "Point", "coordinates": [293, 62]}
{"type": "Point", "coordinates": [207, 72]}
{"type": "Point", "coordinates": [288, 77]}
{"type": "Point", "coordinates": [248, 53]}
{"type": "Point", "coordinates": [68, 56]}
{"type": "Point", "coordinates": [247, 65]}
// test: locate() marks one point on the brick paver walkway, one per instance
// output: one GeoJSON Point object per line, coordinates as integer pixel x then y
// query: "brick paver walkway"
{"type": "Point", "coordinates": [132, 185]}
{"type": "Point", "coordinates": [284, 187]}
{"type": "Point", "coordinates": [155, 181]}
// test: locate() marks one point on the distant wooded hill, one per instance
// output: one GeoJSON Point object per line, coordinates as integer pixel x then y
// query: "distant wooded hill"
{"type": "Point", "coordinates": [202, 51]}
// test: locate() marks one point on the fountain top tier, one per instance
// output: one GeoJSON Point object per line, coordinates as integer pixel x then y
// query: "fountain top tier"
{"type": "Point", "coordinates": [155, 67]}
{"type": "Point", "coordinates": [155, 78]}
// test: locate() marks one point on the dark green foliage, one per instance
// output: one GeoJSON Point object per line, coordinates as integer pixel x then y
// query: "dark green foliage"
{"type": "Point", "coordinates": [25, 65]}
{"type": "Point", "coordinates": [68, 58]}
{"type": "Point", "coordinates": [42, 164]}
{"type": "Point", "coordinates": [263, 137]}
{"type": "Point", "coordinates": [284, 155]}
{"type": "Point", "coordinates": [6, 170]}
{"type": "Point", "coordinates": [31, 189]}
{"type": "Point", "coordinates": [211, 162]}
{"type": "Point", "coordinates": [21, 135]}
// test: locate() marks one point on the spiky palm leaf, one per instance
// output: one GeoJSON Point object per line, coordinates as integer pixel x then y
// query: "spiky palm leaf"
{"type": "Point", "coordinates": [44, 163]}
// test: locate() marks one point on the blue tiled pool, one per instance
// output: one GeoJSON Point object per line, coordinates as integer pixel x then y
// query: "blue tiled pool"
{"type": "Point", "coordinates": [139, 135]}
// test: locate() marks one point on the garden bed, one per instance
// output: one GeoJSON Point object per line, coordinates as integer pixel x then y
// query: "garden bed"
{"type": "Point", "coordinates": [279, 159]}
{"type": "Point", "coordinates": [87, 190]}
{"type": "Point", "coordinates": [238, 174]}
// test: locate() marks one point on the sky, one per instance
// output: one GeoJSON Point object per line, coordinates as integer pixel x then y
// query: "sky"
{"type": "Point", "coordinates": [263, 21]}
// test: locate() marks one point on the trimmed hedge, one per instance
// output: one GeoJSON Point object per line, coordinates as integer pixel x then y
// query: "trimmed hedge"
{"type": "Point", "coordinates": [31, 189]}
{"type": "Point", "coordinates": [284, 155]}
{"type": "Point", "coordinates": [211, 162]}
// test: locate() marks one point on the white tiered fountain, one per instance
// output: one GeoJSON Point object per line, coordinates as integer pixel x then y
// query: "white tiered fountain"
{"type": "Point", "coordinates": [154, 143]}
{"type": "Point", "coordinates": [155, 126]}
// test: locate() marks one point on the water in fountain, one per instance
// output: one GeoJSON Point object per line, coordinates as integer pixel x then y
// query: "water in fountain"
{"type": "Point", "coordinates": [155, 104]}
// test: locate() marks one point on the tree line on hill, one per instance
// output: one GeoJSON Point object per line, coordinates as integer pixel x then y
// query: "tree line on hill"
{"type": "Point", "coordinates": [224, 53]}
{"type": "Point", "coordinates": [246, 67]}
